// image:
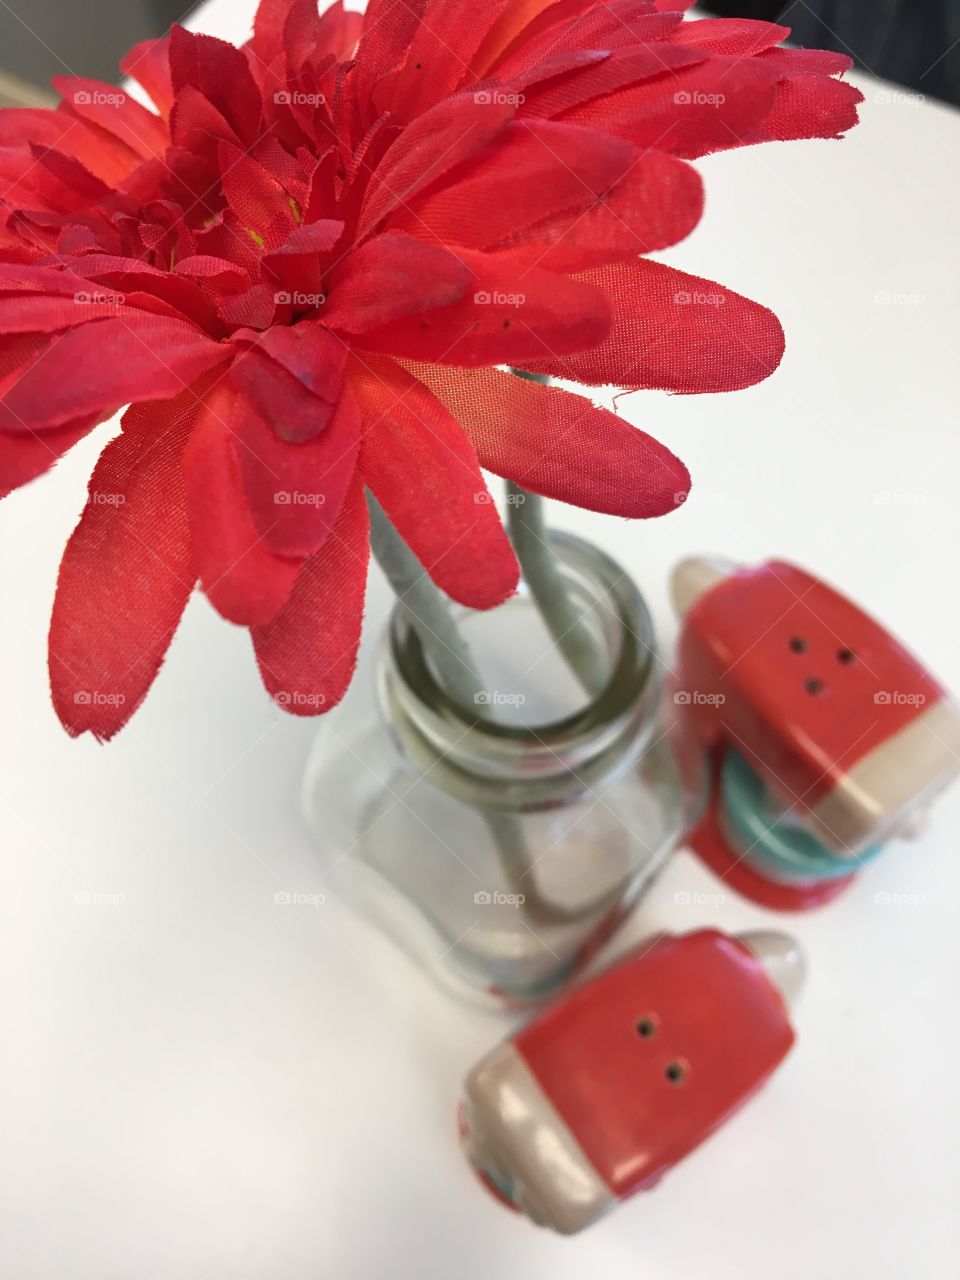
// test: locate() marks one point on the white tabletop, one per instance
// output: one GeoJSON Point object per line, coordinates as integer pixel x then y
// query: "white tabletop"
{"type": "Point", "coordinates": [195, 1082]}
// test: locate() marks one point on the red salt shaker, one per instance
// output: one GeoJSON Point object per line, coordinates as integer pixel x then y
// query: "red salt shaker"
{"type": "Point", "coordinates": [599, 1096]}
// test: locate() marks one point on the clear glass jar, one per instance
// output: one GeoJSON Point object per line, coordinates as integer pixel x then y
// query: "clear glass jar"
{"type": "Point", "coordinates": [503, 842]}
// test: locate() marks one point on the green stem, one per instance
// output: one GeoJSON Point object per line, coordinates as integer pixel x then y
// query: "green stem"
{"type": "Point", "coordinates": [429, 614]}
{"type": "Point", "coordinates": [426, 607]}
{"type": "Point", "coordinates": [544, 577]}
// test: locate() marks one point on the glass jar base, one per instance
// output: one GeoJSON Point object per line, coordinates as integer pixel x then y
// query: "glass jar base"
{"type": "Point", "coordinates": [506, 939]}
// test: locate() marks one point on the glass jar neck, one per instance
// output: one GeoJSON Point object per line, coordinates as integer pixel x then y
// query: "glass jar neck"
{"type": "Point", "coordinates": [473, 752]}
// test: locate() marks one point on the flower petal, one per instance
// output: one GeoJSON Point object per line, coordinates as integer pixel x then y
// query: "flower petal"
{"type": "Point", "coordinates": [105, 364]}
{"type": "Point", "coordinates": [387, 31]}
{"type": "Point", "coordinates": [308, 652]}
{"type": "Point", "coordinates": [100, 153]}
{"type": "Point", "coordinates": [658, 202]}
{"type": "Point", "coordinates": [221, 73]}
{"type": "Point", "coordinates": [255, 196]}
{"type": "Point", "coordinates": [711, 106]}
{"type": "Point", "coordinates": [219, 274]}
{"type": "Point", "coordinates": [312, 238]}
{"type": "Point", "coordinates": [268, 28]}
{"type": "Point", "coordinates": [17, 353]}
{"type": "Point", "coordinates": [126, 573]}
{"type": "Point", "coordinates": [511, 314]}
{"type": "Point", "coordinates": [547, 168]}
{"type": "Point", "coordinates": [566, 27]}
{"type": "Point", "coordinates": [149, 64]}
{"type": "Point", "coordinates": [64, 184]}
{"type": "Point", "coordinates": [277, 366]}
{"type": "Point", "coordinates": [807, 62]}
{"type": "Point", "coordinates": [557, 444]}
{"type": "Point", "coordinates": [390, 277]}
{"type": "Point", "coordinates": [739, 37]}
{"type": "Point", "coordinates": [295, 491]}
{"type": "Point", "coordinates": [427, 149]}
{"type": "Point", "coordinates": [423, 469]}
{"type": "Point", "coordinates": [808, 106]}
{"type": "Point", "coordinates": [243, 581]}
{"type": "Point", "coordinates": [674, 332]}
{"type": "Point", "coordinates": [338, 30]}
{"type": "Point", "coordinates": [279, 397]}
{"type": "Point", "coordinates": [502, 32]}
{"type": "Point", "coordinates": [110, 109]}
{"type": "Point", "coordinates": [547, 93]}
{"type": "Point", "coordinates": [197, 126]}
{"type": "Point", "coordinates": [128, 276]}
{"type": "Point", "coordinates": [45, 313]}
{"type": "Point", "coordinates": [447, 36]}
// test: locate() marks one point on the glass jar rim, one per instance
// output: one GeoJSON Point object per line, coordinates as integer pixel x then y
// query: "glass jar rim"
{"type": "Point", "coordinates": [473, 750]}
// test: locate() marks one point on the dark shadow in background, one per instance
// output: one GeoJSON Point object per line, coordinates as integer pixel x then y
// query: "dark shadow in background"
{"type": "Point", "coordinates": [44, 38]}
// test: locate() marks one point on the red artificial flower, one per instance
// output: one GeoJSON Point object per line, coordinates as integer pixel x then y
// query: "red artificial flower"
{"type": "Point", "coordinates": [302, 272]}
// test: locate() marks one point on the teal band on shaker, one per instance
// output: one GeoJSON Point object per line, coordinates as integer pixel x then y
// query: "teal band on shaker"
{"type": "Point", "coordinates": [776, 849]}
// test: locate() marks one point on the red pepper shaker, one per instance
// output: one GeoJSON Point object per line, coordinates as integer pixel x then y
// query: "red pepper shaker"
{"type": "Point", "coordinates": [608, 1089]}
{"type": "Point", "coordinates": [826, 736]}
